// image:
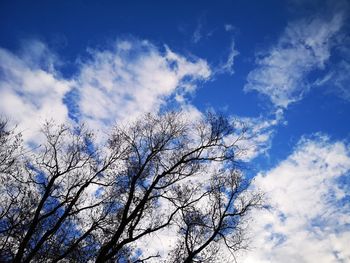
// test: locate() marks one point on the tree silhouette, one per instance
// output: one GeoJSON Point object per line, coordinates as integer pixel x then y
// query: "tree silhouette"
{"type": "Point", "coordinates": [75, 200]}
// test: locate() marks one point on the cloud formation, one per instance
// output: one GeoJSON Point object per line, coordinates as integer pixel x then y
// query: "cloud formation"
{"type": "Point", "coordinates": [337, 80]}
{"type": "Point", "coordinates": [309, 199]}
{"type": "Point", "coordinates": [227, 66]}
{"type": "Point", "coordinates": [133, 78]}
{"type": "Point", "coordinates": [229, 27]}
{"type": "Point", "coordinates": [112, 85]}
{"type": "Point", "coordinates": [31, 90]}
{"type": "Point", "coordinates": [117, 84]}
{"type": "Point", "coordinates": [258, 134]}
{"type": "Point", "coordinates": [282, 72]}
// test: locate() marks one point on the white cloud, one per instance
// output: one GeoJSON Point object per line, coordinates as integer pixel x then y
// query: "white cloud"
{"type": "Point", "coordinates": [229, 27]}
{"type": "Point", "coordinates": [227, 67]}
{"type": "Point", "coordinates": [337, 81]}
{"type": "Point", "coordinates": [309, 219]}
{"type": "Point", "coordinates": [258, 136]}
{"type": "Point", "coordinates": [133, 78]}
{"type": "Point", "coordinates": [341, 80]}
{"type": "Point", "coordinates": [119, 84]}
{"type": "Point", "coordinates": [30, 89]}
{"type": "Point", "coordinates": [197, 34]}
{"type": "Point", "coordinates": [282, 72]}
{"type": "Point", "coordinates": [201, 32]}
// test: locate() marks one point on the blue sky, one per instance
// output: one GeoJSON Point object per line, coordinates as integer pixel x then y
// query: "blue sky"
{"type": "Point", "coordinates": [282, 67]}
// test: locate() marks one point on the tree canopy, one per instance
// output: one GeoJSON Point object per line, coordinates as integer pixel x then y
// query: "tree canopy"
{"type": "Point", "coordinates": [73, 199]}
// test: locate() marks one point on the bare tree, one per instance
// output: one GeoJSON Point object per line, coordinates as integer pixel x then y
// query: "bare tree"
{"type": "Point", "coordinates": [10, 146]}
{"type": "Point", "coordinates": [72, 200]}
{"type": "Point", "coordinates": [217, 221]}
{"type": "Point", "coordinates": [10, 154]}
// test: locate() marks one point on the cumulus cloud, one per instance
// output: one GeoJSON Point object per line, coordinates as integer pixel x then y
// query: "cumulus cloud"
{"type": "Point", "coordinates": [281, 73]}
{"type": "Point", "coordinates": [309, 216]}
{"type": "Point", "coordinates": [31, 91]}
{"type": "Point", "coordinates": [116, 84]}
{"type": "Point", "coordinates": [131, 79]}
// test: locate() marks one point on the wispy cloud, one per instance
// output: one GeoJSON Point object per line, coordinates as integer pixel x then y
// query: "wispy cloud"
{"type": "Point", "coordinates": [200, 31]}
{"type": "Point", "coordinates": [337, 79]}
{"type": "Point", "coordinates": [309, 218]}
{"type": "Point", "coordinates": [227, 66]}
{"type": "Point", "coordinates": [282, 72]}
{"type": "Point", "coordinates": [258, 135]}
{"type": "Point", "coordinates": [229, 27]}
{"type": "Point", "coordinates": [341, 79]}
{"type": "Point", "coordinates": [197, 34]}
